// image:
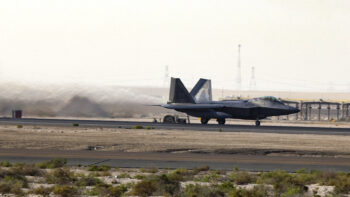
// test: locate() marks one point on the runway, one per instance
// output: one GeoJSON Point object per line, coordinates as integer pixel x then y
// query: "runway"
{"type": "Point", "coordinates": [185, 160]}
{"type": "Point", "coordinates": [178, 160]}
{"type": "Point", "coordinates": [197, 127]}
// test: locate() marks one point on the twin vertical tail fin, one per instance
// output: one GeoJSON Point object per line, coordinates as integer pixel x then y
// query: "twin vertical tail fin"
{"type": "Point", "coordinates": [178, 92]}
{"type": "Point", "coordinates": [201, 92]}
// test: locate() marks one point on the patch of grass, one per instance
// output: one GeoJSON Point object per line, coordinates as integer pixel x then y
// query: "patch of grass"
{"type": "Point", "coordinates": [144, 188]}
{"type": "Point", "coordinates": [166, 185]}
{"type": "Point", "coordinates": [203, 191]}
{"type": "Point", "coordinates": [54, 163]}
{"type": "Point", "coordinates": [19, 180]}
{"type": "Point", "coordinates": [340, 180]}
{"type": "Point", "coordinates": [75, 124]}
{"type": "Point", "coordinates": [26, 170]}
{"type": "Point", "coordinates": [242, 177]}
{"type": "Point", "coordinates": [60, 176]}
{"type": "Point", "coordinates": [137, 127]}
{"type": "Point", "coordinates": [227, 186]}
{"type": "Point", "coordinates": [19, 164]}
{"type": "Point", "coordinates": [5, 164]}
{"type": "Point", "coordinates": [88, 181]}
{"type": "Point", "coordinates": [99, 168]}
{"type": "Point", "coordinates": [105, 173]}
{"type": "Point", "coordinates": [124, 175]}
{"type": "Point", "coordinates": [148, 128]}
{"type": "Point", "coordinates": [5, 188]}
{"type": "Point", "coordinates": [13, 184]}
{"type": "Point", "coordinates": [181, 174]}
{"type": "Point", "coordinates": [283, 182]}
{"type": "Point", "coordinates": [43, 191]}
{"type": "Point", "coordinates": [257, 191]}
{"type": "Point", "coordinates": [117, 190]}
{"type": "Point", "coordinates": [139, 177]}
{"type": "Point", "coordinates": [212, 177]}
{"type": "Point", "coordinates": [65, 190]}
{"type": "Point", "coordinates": [19, 126]}
{"type": "Point", "coordinates": [107, 190]}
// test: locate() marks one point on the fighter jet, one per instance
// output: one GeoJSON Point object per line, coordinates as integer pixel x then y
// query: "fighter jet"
{"type": "Point", "coordinates": [198, 103]}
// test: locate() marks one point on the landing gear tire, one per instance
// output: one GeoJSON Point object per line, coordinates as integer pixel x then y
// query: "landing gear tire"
{"type": "Point", "coordinates": [169, 119]}
{"type": "Point", "coordinates": [204, 120]}
{"type": "Point", "coordinates": [221, 121]}
{"type": "Point", "coordinates": [257, 123]}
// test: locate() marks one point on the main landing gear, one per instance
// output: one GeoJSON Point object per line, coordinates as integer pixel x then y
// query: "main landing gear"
{"type": "Point", "coordinates": [221, 121]}
{"type": "Point", "coordinates": [257, 123]}
{"type": "Point", "coordinates": [205, 120]}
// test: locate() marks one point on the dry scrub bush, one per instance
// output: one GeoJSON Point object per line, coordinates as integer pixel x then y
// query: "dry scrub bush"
{"type": "Point", "coordinates": [88, 181]}
{"type": "Point", "coordinates": [257, 191]}
{"type": "Point", "coordinates": [26, 170]}
{"type": "Point", "coordinates": [13, 184]}
{"type": "Point", "coordinates": [54, 163]}
{"type": "Point", "coordinates": [99, 168]}
{"type": "Point", "coordinates": [60, 176]}
{"type": "Point", "coordinates": [242, 177]}
{"type": "Point", "coordinates": [144, 188]}
{"type": "Point", "coordinates": [5, 164]}
{"type": "Point", "coordinates": [203, 191]}
{"type": "Point", "coordinates": [107, 190]}
{"type": "Point", "coordinates": [65, 190]}
{"type": "Point", "coordinates": [137, 127]}
{"type": "Point", "coordinates": [43, 191]}
{"type": "Point", "coordinates": [283, 182]}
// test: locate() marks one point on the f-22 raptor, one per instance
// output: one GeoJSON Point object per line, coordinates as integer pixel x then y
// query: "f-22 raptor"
{"type": "Point", "coordinates": [199, 103]}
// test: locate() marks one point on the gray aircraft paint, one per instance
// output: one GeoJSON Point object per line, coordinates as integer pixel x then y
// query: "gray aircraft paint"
{"type": "Point", "coordinates": [202, 92]}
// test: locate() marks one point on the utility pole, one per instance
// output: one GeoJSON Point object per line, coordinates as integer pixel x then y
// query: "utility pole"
{"type": "Point", "coordinates": [166, 76]}
{"type": "Point", "coordinates": [238, 78]}
{"type": "Point", "coordinates": [252, 84]}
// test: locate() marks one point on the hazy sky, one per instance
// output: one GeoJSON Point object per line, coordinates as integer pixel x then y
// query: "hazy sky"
{"type": "Point", "coordinates": [293, 44]}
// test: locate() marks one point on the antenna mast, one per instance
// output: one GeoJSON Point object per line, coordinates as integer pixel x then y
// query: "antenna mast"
{"type": "Point", "coordinates": [238, 79]}
{"type": "Point", "coordinates": [252, 84]}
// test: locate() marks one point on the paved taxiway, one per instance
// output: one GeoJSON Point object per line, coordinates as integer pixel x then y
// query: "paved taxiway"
{"type": "Point", "coordinates": [209, 127]}
{"type": "Point", "coordinates": [186, 160]}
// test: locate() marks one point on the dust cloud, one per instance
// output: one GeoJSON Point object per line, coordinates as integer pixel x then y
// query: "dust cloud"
{"type": "Point", "coordinates": [82, 101]}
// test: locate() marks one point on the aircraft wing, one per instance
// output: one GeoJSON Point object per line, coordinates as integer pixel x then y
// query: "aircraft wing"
{"type": "Point", "coordinates": [193, 106]}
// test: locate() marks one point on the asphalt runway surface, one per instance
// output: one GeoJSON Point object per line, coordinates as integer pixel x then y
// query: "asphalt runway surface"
{"type": "Point", "coordinates": [197, 127]}
{"type": "Point", "coordinates": [183, 160]}
{"type": "Point", "coordinates": [179, 160]}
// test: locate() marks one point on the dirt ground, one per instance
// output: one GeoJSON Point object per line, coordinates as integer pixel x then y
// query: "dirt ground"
{"type": "Point", "coordinates": [171, 141]}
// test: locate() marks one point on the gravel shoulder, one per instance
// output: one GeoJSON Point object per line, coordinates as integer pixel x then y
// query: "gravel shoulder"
{"type": "Point", "coordinates": [172, 141]}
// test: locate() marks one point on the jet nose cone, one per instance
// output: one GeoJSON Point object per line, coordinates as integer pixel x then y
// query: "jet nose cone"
{"type": "Point", "coordinates": [294, 110]}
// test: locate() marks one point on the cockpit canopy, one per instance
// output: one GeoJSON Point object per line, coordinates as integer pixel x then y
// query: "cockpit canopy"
{"type": "Point", "coordinates": [271, 98]}
{"type": "Point", "coordinates": [267, 98]}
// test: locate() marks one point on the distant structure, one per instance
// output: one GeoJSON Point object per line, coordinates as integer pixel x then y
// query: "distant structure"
{"type": "Point", "coordinates": [166, 76]}
{"type": "Point", "coordinates": [252, 83]}
{"type": "Point", "coordinates": [238, 78]}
